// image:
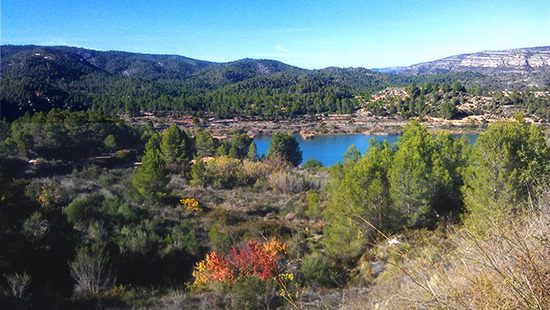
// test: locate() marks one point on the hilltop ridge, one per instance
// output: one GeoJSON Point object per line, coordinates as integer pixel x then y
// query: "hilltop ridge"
{"type": "Point", "coordinates": [520, 60]}
{"type": "Point", "coordinates": [40, 78]}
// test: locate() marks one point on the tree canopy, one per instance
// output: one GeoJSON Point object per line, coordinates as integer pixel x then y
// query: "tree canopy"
{"type": "Point", "coordinates": [285, 146]}
{"type": "Point", "coordinates": [509, 163]}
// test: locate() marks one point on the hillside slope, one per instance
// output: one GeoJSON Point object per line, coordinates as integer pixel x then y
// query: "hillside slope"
{"type": "Point", "coordinates": [39, 78]}
{"type": "Point", "coordinates": [521, 60]}
{"type": "Point", "coordinates": [125, 64]}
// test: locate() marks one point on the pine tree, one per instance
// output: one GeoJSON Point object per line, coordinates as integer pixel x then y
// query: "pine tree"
{"type": "Point", "coordinates": [416, 171]}
{"type": "Point", "coordinates": [285, 146]}
{"type": "Point", "coordinates": [205, 144]}
{"type": "Point", "coordinates": [110, 143]}
{"type": "Point", "coordinates": [239, 145]}
{"type": "Point", "coordinates": [252, 154]}
{"type": "Point", "coordinates": [358, 192]}
{"type": "Point", "coordinates": [151, 177]}
{"type": "Point", "coordinates": [509, 162]}
{"type": "Point", "coordinates": [176, 147]}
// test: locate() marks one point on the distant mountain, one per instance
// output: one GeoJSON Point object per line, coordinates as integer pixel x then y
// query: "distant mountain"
{"type": "Point", "coordinates": [523, 60]}
{"type": "Point", "coordinates": [389, 69]}
{"type": "Point", "coordinates": [123, 64]}
{"type": "Point", "coordinates": [40, 78]}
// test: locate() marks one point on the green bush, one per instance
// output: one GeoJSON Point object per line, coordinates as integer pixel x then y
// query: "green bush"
{"type": "Point", "coordinates": [314, 206]}
{"type": "Point", "coordinates": [317, 270]}
{"type": "Point", "coordinates": [182, 237]}
{"type": "Point", "coordinates": [250, 292]}
{"type": "Point", "coordinates": [219, 238]}
{"type": "Point", "coordinates": [136, 240]}
{"type": "Point", "coordinates": [82, 211]}
{"type": "Point", "coordinates": [312, 164]}
{"type": "Point", "coordinates": [36, 226]}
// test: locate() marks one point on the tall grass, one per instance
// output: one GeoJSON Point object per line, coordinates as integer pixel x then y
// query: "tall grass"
{"type": "Point", "coordinates": [506, 268]}
{"type": "Point", "coordinates": [291, 183]}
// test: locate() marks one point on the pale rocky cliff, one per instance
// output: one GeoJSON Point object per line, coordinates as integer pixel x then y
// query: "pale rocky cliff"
{"type": "Point", "coordinates": [517, 60]}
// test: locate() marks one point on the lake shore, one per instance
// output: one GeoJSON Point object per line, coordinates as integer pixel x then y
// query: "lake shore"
{"type": "Point", "coordinates": [311, 126]}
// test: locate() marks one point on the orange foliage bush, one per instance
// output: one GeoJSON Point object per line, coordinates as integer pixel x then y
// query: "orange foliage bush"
{"type": "Point", "coordinates": [259, 259]}
{"type": "Point", "coordinates": [214, 268]}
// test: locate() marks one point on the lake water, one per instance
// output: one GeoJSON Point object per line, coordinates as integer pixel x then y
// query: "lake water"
{"type": "Point", "coordinates": [329, 149]}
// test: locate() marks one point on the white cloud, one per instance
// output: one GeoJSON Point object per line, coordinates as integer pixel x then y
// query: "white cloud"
{"type": "Point", "coordinates": [281, 48]}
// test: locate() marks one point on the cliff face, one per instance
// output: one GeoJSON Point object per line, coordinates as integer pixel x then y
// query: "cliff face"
{"type": "Point", "coordinates": [516, 60]}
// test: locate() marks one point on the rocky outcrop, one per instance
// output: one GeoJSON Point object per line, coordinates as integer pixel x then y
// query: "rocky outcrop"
{"type": "Point", "coordinates": [517, 60]}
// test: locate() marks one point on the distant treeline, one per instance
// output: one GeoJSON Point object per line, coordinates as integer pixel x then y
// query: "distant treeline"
{"type": "Point", "coordinates": [38, 79]}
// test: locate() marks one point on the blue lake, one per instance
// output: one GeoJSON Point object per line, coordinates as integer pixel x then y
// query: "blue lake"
{"type": "Point", "coordinates": [329, 149]}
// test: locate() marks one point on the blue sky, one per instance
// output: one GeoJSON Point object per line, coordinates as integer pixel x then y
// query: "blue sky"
{"type": "Point", "coordinates": [304, 33]}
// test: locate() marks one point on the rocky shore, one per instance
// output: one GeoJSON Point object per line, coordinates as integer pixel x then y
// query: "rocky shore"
{"type": "Point", "coordinates": [309, 127]}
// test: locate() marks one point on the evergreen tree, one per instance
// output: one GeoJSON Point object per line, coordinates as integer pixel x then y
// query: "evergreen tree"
{"type": "Point", "coordinates": [205, 144]}
{"type": "Point", "coordinates": [233, 152]}
{"type": "Point", "coordinates": [416, 172]}
{"type": "Point", "coordinates": [110, 143]}
{"type": "Point", "coordinates": [508, 164]}
{"type": "Point", "coordinates": [221, 150]}
{"type": "Point", "coordinates": [285, 146]}
{"type": "Point", "coordinates": [176, 147]}
{"type": "Point", "coordinates": [352, 155]}
{"type": "Point", "coordinates": [151, 177]}
{"type": "Point", "coordinates": [239, 145]}
{"type": "Point", "coordinates": [252, 153]}
{"type": "Point", "coordinates": [358, 197]}
{"type": "Point", "coordinates": [453, 154]}
{"type": "Point", "coordinates": [448, 110]}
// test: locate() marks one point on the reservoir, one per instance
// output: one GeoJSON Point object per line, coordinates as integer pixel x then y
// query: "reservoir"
{"type": "Point", "coordinates": [329, 149]}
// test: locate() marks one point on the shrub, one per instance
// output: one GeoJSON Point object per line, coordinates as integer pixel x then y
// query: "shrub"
{"type": "Point", "coordinates": [191, 204]}
{"type": "Point", "coordinates": [317, 270]}
{"type": "Point", "coordinates": [251, 292]}
{"type": "Point", "coordinates": [219, 238]}
{"type": "Point", "coordinates": [91, 272]}
{"type": "Point", "coordinates": [220, 172]}
{"type": "Point", "coordinates": [18, 284]}
{"type": "Point", "coordinates": [288, 182]}
{"type": "Point", "coordinates": [314, 206]}
{"type": "Point", "coordinates": [36, 226]}
{"type": "Point", "coordinates": [257, 259]}
{"type": "Point", "coordinates": [81, 211]}
{"type": "Point", "coordinates": [257, 170]}
{"type": "Point", "coordinates": [312, 164]}
{"type": "Point", "coordinates": [136, 240]}
{"type": "Point", "coordinates": [183, 237]}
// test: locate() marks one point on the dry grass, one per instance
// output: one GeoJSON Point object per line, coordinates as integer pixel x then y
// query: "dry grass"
{"type": "Point", "coordinates": [508, 268]}
{"type": "Point", "coordinates": [289, 182]}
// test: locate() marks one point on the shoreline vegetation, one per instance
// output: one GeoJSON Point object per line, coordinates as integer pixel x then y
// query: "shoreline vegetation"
{"type": "Point", "coordinates": [308, 128]}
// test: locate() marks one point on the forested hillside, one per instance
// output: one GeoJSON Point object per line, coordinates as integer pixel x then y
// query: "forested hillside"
{"type": "Point", "coordinates": [41, 78]}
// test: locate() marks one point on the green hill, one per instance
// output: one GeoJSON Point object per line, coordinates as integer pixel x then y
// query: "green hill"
{"type": "Point", "coordinates": [39, 78]}
{"type": "Point", "coordinates": [36, 78]}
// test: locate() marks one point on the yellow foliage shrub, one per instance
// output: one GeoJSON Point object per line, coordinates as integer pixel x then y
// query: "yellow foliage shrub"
{"type": "Point", "coordinates": [191, 204]}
